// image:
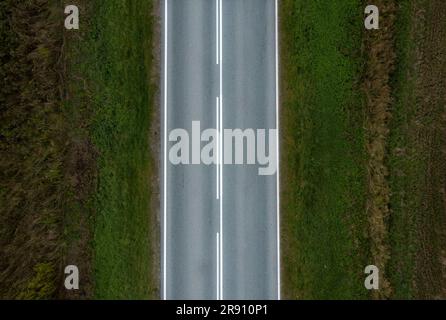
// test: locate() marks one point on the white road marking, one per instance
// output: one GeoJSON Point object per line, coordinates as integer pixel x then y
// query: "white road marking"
{"type": "Point", "coordinates": [220, 40]}
{"type": "Point", "coordinates": [218, 266]}
{"type": "Point", "coordinates": [165, 158]}
{"type": "Point", "coordinates": [217, 112]}
{"type": "Point", "coordinates": [216, 29]}
{"type": "Point", "coordinates": [277, 150]}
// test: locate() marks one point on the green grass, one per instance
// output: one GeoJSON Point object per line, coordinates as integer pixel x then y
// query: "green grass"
{"type": "Point", "coordinates": [117, 63]}
{"type": "Point", "coordinates": [323, 158]}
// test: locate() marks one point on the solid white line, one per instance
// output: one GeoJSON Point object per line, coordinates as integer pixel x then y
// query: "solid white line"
{"type": "Point", "coordinates": [217, 166]}
{"type": "Point", "coordinates": [277, 150]}
{"type": "Point", "coordinates": [216, 29]}
{"type": "Point", "coordinates": [221, 145]}
{"type": "Point", "coordinates": [218, 266]}
{"type": "Point", "coordinates": [165, 159]}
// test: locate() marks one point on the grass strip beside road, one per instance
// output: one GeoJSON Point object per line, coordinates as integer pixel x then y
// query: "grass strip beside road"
{"type": "Point", "coordinates": [324, 224]}
{"type": "Point", "coordinates": [120, 66]}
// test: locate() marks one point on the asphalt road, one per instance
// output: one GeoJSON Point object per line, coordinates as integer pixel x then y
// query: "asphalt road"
{"type": "Point", "coordinates": [219, 222]}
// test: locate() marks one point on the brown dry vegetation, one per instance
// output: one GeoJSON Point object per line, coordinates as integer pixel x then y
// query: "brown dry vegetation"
{"type": "Point", "coordinates": [46, 172]}
{"type": "Point", "coordinates": [380, 53]}
{"type": "Point", "coordinates": [31, 141]}
{"type": "Point", "coordinates": [405, 78]}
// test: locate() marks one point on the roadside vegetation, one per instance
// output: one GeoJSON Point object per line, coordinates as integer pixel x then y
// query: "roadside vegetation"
{"type": "Point", "coordinates": [33, 190]}
{"type": "Point", "coordinates": [323, 156]}
{"type": "Point", "coordinates": [77, 169]}
{"type": "Point", "coordinates": [120, 70]}
{"type": "Point", "coordinates": [363, 149]}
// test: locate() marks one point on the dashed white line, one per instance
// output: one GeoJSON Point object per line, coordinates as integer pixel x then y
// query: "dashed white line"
{"type": "Point", "coordinates": [217, 112]}
{"type": "Point", "coordinates": [217, 29]}
{"type": "Point", "coordinates": [218, 266]}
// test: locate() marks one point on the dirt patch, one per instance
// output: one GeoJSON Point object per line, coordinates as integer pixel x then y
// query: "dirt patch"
{"type": "Point", "coordinates": [428, 131]}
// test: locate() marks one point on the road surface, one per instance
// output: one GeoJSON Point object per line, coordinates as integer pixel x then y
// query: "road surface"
{"type": "Point", "coordinates": [220, 223]}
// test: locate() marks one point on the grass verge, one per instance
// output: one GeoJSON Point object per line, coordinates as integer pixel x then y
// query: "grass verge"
{"type": "Point", "coordinates": [323, 155]}
{"type": "Point", "coordinates": [116, 62]}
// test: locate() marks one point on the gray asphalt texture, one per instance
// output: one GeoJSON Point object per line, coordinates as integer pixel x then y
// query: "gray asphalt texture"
{"type": "Point", "coordinates": [249, 200]}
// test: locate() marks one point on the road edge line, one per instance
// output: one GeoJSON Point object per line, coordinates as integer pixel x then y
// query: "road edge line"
{"type": "Point", "coordinates": [165, 155]}
{"type": "Point", "coordinates": [277, 150]}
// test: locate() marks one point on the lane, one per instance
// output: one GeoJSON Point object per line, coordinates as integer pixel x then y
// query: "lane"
{"type": "Point", "coordinates": [220, 223]}
{"type": "Point", "coordinates": [249, 199]}
{"type": "Point", "coordinates": [191, 206]}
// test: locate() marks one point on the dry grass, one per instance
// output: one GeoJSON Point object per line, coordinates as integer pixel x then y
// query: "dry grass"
{"type": "Point", "coordinates": [47, 165]}
{"type": "Point", "coordinates": [32, 144]}
{"type": "Point", "coordinates": [381, 59]}
{"type": "Point", "coordinates": [406, 130]}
